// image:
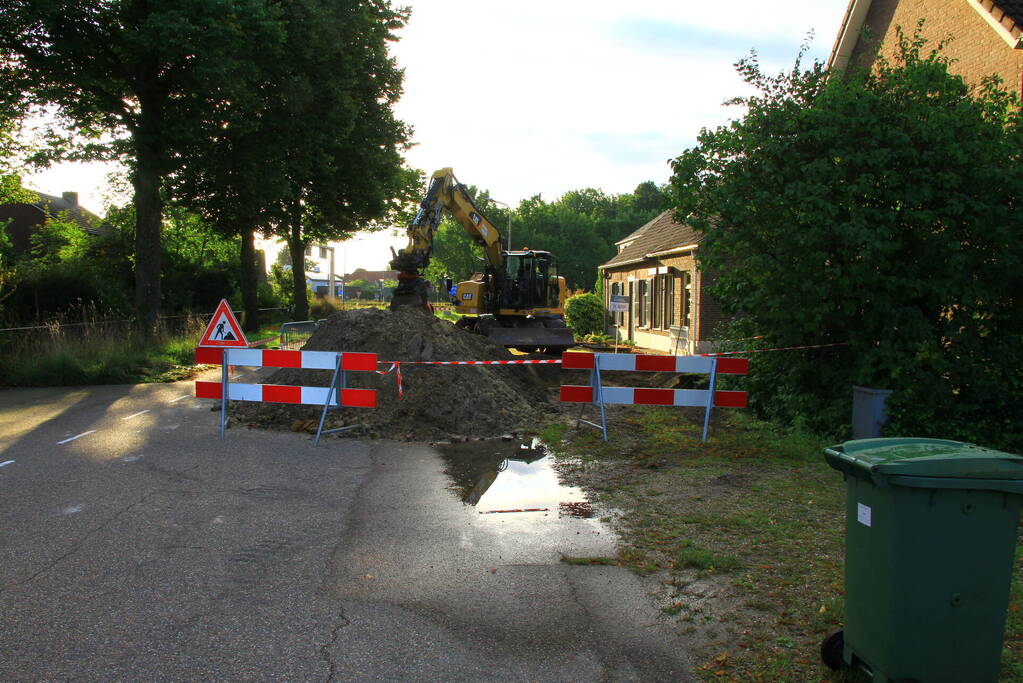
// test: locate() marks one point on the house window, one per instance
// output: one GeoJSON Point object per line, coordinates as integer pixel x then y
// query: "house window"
{"type": "Point", "coordinates": [323, 252]}
{"type": "Point", "coordinates": [615, 291]}
{"type": "Point", "coordinates": [655, 302]}
{"type": "Point", "coordinates": [667, 287]}
{"type": "Point", "coordinates": [646, 307]}
{"type": "Point", "coordinates": [644, 303]}
{"type": "Point", "coordinates": [687, 298]}
{"type": "Point", "coordinates": [663, 302]}
{"type": "Point", "coordinates": [308, 251]}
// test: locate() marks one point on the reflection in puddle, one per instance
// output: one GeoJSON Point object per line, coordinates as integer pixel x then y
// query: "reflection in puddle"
{"type": "Point", "coordinates": [510, 476]}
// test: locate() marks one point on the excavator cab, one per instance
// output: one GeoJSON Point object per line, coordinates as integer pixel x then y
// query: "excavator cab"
{"type": "Point", "coordinates": [531, 281]}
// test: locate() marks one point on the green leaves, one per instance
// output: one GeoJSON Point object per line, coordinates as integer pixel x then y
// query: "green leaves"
{"type": "Point", "coordinates": [875, 208]}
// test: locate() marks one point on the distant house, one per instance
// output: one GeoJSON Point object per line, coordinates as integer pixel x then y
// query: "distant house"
{"type": "Point", "coordinates": [670, 308]}
{"type": "Point", "coordinates": [986, 34]}
{"type": "Point", "coordinates": [26, 218]}
{"type": "Point", "coordinates": [374, 278]}
{"type": "Point", "coordinates": [371, 276]}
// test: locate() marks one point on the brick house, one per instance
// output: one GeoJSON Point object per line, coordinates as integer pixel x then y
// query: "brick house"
{"type": "Point", "coordinates": [987, 35]}
{"type": "Point", "coordinates": [373, 278]}
{"type": "Point", "coordinates": [670, 308]}
{"type": "Point", "coordinates": [23, 219]}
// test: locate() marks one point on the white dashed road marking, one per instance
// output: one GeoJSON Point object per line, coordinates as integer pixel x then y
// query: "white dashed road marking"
{"type": "Point", "coordinates": [175, 400]}
{"type": "Point", "coordinates": [78, 436]}
{"type": "Point", "coordinates": [5, 463]}
{"type": "Point", "coordinates": [141, 412]}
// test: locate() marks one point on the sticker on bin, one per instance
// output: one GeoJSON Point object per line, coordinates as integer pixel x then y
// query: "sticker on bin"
{"type": "Point", "coordinates": [863, 514]}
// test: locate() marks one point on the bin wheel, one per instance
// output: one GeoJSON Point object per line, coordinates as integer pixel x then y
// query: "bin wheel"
{"type": "Point", "coordinates": [832, 650]}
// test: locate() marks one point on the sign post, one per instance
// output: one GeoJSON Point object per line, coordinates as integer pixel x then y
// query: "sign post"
{"type": "Point", "coordinates": [225, 333]}
{"type": "Point", "coordinates": [619, 304]}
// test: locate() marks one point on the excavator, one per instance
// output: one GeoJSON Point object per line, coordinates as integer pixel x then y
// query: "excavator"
{"type": "Point", "coordinates": [519, 298]}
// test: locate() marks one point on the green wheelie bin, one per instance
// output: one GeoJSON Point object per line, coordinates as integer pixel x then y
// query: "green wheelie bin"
{"type": "Point", "coordinates": [930, 542]}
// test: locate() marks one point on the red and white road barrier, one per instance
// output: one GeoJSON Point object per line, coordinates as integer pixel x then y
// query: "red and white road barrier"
{"type": "Point", "coordinates": [637, 396]}
{"type": "Point", "coordinates": [277, 358]}
{"type": "Point", "coordinates": [599, 395]}
{"type": "Point", "coordinates": [335, 395]}
{"type": "Point", "coordinates": [280, 393]}
{"type": "Point", "coordinates": [573, 360]}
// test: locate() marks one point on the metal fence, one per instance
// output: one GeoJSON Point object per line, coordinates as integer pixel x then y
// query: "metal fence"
{"type": "Point", "coordinates": [55, 332]}
{"type": "Point", "coordinates": [295, 334]}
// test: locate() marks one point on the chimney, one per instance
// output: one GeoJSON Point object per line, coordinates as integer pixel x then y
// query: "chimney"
{"type": "Point", "coordinates": [71, 198]}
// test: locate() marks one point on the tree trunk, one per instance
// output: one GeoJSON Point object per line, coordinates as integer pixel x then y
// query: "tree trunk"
{"type": "Point", "coordinates": [297, 247]}
{"type": "Point", "coordinates": [249, 280]}
{"type": "Point", "coordinates": [145, 180]}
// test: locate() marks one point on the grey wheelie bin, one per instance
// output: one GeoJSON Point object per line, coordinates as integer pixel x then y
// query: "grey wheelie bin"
{"type": "Point", "coordinates": [930, 541]}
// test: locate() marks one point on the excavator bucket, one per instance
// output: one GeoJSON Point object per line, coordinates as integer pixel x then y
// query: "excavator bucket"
{"type": "Point", "coordinates": [526, 337]}
{"type": "Point", "coordinates": [410, 293]}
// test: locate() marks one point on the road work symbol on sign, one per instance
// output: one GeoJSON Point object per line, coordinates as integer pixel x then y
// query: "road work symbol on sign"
{"type": "Point", "coordinates": [224, 330]}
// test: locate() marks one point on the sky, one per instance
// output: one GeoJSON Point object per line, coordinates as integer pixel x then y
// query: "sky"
{"type": "Point", "coordinates": [542, 97]}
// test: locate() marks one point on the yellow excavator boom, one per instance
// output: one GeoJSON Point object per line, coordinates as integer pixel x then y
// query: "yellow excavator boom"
{"type": "Point", "coordinates": [446, 193]}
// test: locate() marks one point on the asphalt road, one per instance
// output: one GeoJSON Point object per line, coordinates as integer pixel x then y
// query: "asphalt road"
{"type": "Point", "coordinates": [137, 545]}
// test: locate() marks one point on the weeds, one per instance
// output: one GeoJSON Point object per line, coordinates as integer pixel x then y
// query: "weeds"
{"type": "Point", "coordinates": [749, 529]}
{"type": "Point", "coordinates": [99, 354]}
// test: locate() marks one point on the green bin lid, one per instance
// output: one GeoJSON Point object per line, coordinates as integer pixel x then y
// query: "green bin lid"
{"type": "Point", "coordinates": [898, 460]}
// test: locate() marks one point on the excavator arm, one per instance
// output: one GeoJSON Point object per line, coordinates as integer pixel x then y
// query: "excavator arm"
{"type": "Point", "coordinates": [444, 193]}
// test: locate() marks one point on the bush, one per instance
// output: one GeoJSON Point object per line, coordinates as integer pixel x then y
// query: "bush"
{"type": "Point", "coordinates": [902, 256]}
{"type": "Point", "coordinates": [322, 307]}
{"type": "Point", "coordinates": [584, 313]}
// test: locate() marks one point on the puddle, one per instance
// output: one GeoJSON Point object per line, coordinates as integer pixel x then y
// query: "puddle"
{"type": "Point", "coordinates": [511, 477]}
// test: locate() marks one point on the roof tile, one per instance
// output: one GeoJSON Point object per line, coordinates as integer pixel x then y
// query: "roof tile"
{"type": "Point", "coordinates": [660, 234]}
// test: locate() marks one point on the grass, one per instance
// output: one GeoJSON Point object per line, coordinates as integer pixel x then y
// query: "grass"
{"type": "Point", "coordinates": [754, 518]}
{"type": "Point", "coordinates": [100, 355]}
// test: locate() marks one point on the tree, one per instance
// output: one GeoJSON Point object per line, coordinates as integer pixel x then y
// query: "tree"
{"type": "Point", "coordinates": [138, 81]}
{"type": "Point", "coordinates": [582, 226]}
{"type": "Point", "coordinates": [906, 249]}
{"type": "Point", "coordinates": [344, 173]}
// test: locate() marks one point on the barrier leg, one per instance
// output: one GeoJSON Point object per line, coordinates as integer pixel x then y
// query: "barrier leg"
{"type": "Point", "coordinates": [331, 393]}
{"type": "Point", "coordinates": [599, 391]}
{"type": "Point", "coordinates": [710, 397]}
{"type": "Point", "coordinates": [598, 400]}
{"type": "Point", "coordinates": [337, 385]}
{"type": "Point", "coordinates": [223, 393]}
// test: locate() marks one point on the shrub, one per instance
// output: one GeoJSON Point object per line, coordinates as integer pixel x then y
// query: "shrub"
{"type": "Point", "coordinates": [584, 313]}
{"type": "Point", "coordinates": [902, 255]}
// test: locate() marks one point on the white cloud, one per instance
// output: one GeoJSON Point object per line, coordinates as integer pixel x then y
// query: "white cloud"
{"type": "Point", "coordinates": [544, 97]}
{"type": "Point", "coordinates": [548, 96]}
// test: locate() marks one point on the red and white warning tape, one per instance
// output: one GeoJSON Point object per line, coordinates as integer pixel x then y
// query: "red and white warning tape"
{"type": "Point", "coordinates": [780, 348]}
{"type": "Point", "coordinates": [261, 342]}
{"type": "Point", "coordinates": [396, 369]}
{"type": "Point", "coordinates": [472, 362]}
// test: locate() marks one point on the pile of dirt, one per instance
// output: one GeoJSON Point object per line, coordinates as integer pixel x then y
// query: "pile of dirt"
{"type": "Point", "coordinates": [440, 401]}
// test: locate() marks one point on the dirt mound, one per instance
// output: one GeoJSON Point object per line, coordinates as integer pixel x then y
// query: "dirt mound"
{"type": "Point", "coordinates": [439, 400]}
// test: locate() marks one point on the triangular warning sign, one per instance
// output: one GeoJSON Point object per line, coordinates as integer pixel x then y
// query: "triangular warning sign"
{"type": "Point", "coordinates": [224, 329]}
